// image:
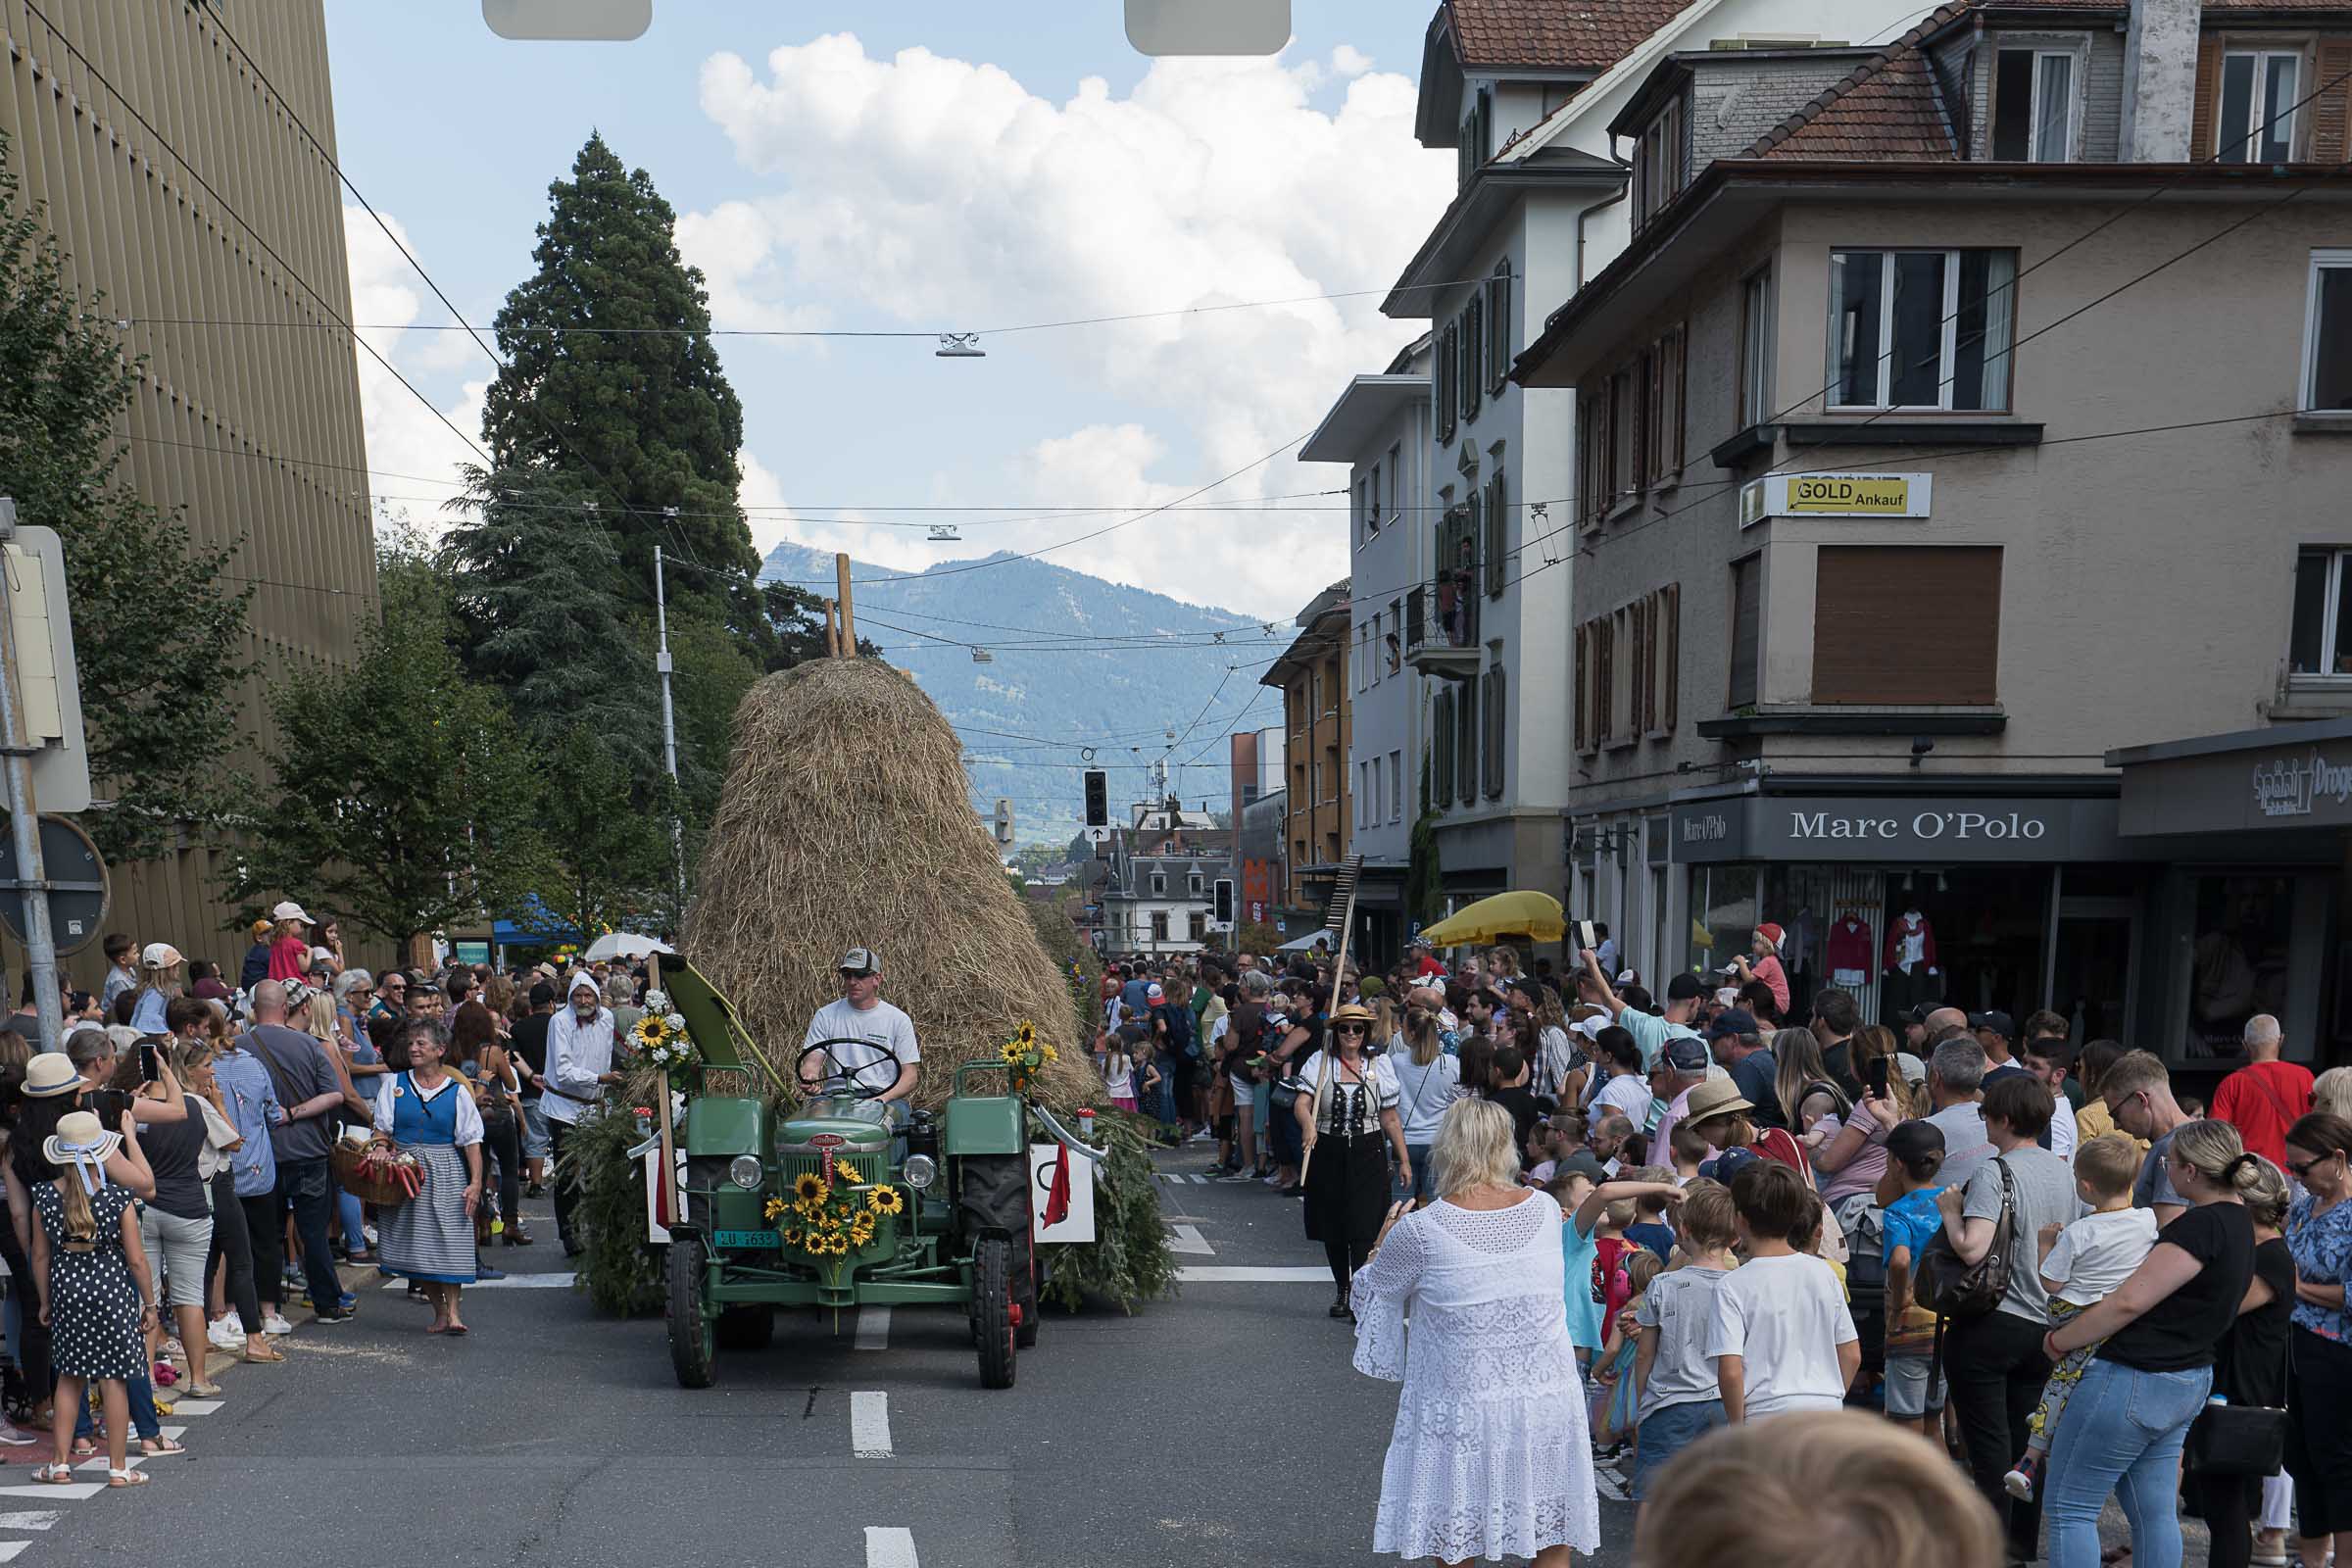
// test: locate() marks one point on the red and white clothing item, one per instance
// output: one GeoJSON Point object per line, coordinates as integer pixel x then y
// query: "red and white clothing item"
{"type": "Point", "coordinates": [1911, 943]}
{"type": "Point", "coordinates": [1847, 952]}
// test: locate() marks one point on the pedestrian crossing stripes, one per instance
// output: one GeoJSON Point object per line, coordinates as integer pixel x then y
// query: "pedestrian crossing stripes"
{"type": "Point", "coordinates": [869, 1425]}
{"type": "Point", "coordinates": [890, 1546]}
{"type": "Point", "coordinates": [1182, 1179]}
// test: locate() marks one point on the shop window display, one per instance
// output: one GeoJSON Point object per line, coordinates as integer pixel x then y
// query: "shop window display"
{"type": "Point", "coordinates": [2239, 960]}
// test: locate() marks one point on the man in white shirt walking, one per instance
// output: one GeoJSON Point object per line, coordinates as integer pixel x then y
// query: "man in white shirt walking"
{"type": "Point", "coordinates": [874, 1032]}
{"type": "Point", "coordinates": [579, 1063]}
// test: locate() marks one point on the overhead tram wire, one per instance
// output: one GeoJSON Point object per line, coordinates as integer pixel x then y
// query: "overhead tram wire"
{"type": "Point", "coordinates": [161, 141]}
{"type": "Point", "coordinates": [618, 494]}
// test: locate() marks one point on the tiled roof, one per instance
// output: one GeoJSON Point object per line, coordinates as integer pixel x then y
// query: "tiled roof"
{"type": "Point", "coordinates": [2278, 5]}
{"type": "Point", "coordinates": [1886, 108]}
{"type": "Point", "coordinates": [1554, 34]}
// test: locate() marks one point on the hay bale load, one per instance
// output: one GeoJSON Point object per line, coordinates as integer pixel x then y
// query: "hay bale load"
{"type": "Point", "coordinates": [846, 821]}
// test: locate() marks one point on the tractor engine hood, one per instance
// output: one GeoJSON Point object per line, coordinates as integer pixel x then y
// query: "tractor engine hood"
{"type": "Point", "coordinates": [820, 1120]}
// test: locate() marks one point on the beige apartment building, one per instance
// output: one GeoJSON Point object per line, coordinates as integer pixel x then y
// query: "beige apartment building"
{"type": "Point", "coordinates": [1988, 413]}
{"type": "Point", "coordinates": [188, 192]}
{"type": "Point", "coordinates": [1312, 676]}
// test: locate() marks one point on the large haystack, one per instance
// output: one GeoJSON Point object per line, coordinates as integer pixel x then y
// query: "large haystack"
{"type": "Point", "coordinates": [846, 821]}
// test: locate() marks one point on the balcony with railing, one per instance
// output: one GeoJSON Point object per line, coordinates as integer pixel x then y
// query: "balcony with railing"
{"type": "Point", "coordinates": [1440, 626]}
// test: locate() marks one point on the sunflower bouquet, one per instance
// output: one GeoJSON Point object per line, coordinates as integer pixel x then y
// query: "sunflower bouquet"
{"type": "Point", "coordinates": [1026, 1056]}
{"type": "Point", "coordinates": [661, 1039]}
{"type": "Point", "coordinates": [825, 1221]}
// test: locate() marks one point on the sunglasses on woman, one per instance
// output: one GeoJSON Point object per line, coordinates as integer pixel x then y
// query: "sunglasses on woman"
{"type": "Point", "coordinates": [2302, 1172]}
{"type": "Point", "coordinates": [1348, 1029]}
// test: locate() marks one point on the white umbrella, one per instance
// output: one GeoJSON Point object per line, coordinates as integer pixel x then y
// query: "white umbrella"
{"type": "Point", "coordinates": [626, 944]}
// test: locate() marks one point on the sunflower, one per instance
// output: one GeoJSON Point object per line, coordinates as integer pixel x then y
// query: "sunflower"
{"type": "Point", "coordinates": [809, 1185]}
{"type": "Point", "coordinates": [885, 1201]}
{"type": "Point", "coordinates": [837, 1245]}
{"type": "Point", "coordinates": [1014, 1050]}
{"type": "Point", "coordinates": [793, 1236]}
{"type": "Point", "coordinates": [1027, 1036]}
{"type": "Point", "coordinates": [807, 1208]}
{"type": "Point", "coordinates": [829, 1224]}
{"type": "Point", "coordinates": [848, 1173]}
{"type": "Point", "coordinates": [775, 1211]}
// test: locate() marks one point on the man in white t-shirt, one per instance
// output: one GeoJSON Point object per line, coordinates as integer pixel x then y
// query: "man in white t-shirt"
{"type": "Point", "coordinates": [866, 1029]}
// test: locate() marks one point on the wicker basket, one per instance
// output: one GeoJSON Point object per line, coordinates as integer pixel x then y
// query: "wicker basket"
{"type": "Point", "coordinates": [364, 1179]}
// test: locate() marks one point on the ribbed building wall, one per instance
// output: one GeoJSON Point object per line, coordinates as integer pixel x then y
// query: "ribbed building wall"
{"type": "Point", "coordinates": [184, 192]}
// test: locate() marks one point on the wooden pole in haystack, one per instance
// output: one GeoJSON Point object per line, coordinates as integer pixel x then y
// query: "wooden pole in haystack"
{"type": "Point", "coordinates": [1342, 910]}
{"type": "Point", "coordinates": [849, 623]}
{"type": "Point", "coordinates": [832, 633]}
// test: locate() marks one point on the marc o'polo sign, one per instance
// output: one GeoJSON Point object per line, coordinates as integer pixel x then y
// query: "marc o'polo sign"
{"type": "Point", "coordinates": [1893, 829]}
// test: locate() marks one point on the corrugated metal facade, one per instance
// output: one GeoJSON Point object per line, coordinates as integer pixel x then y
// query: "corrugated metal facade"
{"type": "Point", "coordinates": [183, 190]}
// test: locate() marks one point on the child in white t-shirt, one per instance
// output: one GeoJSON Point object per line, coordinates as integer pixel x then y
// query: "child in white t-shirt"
{"type": "Point", "coordinates": [2081, 1265]}
{"type": "Point", "coordinates": [1782, 1338]}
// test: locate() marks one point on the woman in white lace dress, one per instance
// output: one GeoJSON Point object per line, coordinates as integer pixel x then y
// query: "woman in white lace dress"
{"type": "Point", "coordinates": [1491, 1456]}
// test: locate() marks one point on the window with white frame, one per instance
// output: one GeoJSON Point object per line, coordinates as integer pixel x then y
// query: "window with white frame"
{"type": "Point", "coordinates": [1396, 786]}
{"type": "Point", "coordinates": [1921, 329]}
{"type": "Point", "coordinates": [2320, 644]}
{"type": "Point", "coordinates": [2256, 119]}
{"type": "Point", "coordinates": [2327, 334]}
{"type": "Point", "coordinates": [2033, 106]}
{"type": "Point", "coordinates": [1160, 883]}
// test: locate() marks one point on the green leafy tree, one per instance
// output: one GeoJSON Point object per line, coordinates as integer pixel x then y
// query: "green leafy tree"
{"type": "Point", "coordinates": [607, 860]}
{"type": "Point", "coordinates": [159, 626]}
{"type": "Point", "coordinates": [1424, 890]}
{"type": "Point", "coordinates": [403, 794]}
{"type": "Point", "coordinates": [544, 617]}
{"type": "Point", "coordinates": [611, 376]}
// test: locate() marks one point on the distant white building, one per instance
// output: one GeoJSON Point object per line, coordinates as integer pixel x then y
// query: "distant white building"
{"type": "Point", "coordinates": [1524, 91]}
{"type": "Point", "coordinates": [1380, 428]}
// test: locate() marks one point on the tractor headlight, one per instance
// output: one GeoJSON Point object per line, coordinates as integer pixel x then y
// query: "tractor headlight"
{"type": "Point", "coordinates": [921, 1170]}
{"type": "Point", "coordinates": [746, 1171]}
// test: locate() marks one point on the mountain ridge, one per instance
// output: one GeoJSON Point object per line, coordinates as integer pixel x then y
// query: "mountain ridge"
{"type": "Point", "coordinates": [1066, 669]}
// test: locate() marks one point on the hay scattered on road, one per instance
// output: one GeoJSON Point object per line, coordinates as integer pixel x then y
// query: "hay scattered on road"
{"type": "Point", "coordinates": [846, 821]}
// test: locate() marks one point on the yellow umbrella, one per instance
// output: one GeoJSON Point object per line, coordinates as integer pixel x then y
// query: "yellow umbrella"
{"type": "Point", "coordinates": [1527, 913]}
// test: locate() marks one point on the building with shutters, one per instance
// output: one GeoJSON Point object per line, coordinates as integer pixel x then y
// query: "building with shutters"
{"type": "Point", "coordinates": [187, 191]}
{"type": "Point", "coordinates": [1312, 676]}
{"type": "Point", "coordinates": [1524, 92]}
{"type": "Point", "coordinates": [1986, 414]}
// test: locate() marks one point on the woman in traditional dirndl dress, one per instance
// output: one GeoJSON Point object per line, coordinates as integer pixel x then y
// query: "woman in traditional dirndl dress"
{"type": "Point", "coordinates": [429, 1112]}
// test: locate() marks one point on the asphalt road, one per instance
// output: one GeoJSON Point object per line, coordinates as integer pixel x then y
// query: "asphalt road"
{"type": "Point", "coordinates": [1222, 1426]}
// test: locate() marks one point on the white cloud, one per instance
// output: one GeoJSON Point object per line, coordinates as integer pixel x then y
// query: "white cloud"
{"type": "Point", "coordinates": [408, 445]}
{"type": "Point", "coordinates": [930, 192]}
{"type": "Point", "coordinates": [773, 523]}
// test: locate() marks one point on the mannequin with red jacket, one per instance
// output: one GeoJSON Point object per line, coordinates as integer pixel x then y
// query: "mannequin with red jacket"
{"type": "Point", "coordinates": [1912, 973]}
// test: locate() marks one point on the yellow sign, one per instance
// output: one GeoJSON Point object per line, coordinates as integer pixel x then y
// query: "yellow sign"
{"type": "Point", "coordinates": [1886, 496]}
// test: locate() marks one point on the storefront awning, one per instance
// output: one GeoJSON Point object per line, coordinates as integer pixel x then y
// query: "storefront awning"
{"type": "Point", "coordinates": [2285, 776]}
{"type": "Point", "coordinates": [1894, 828]}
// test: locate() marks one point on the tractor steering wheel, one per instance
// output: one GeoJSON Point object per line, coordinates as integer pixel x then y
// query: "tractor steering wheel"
{"type": "Point", "coordinates": [856, 1084]}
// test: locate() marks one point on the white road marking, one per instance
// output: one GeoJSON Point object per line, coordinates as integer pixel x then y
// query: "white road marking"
{"type": "Point", "coordinates": [890, 1546]}
{"type": "Point", "coordinates": [98, 1466]}
{"type": "Point", "coordinates": [191, 1408]}
{"type": "Point", "coordinates": [873, 1328]}
{"type": "Point", "coordinates": [526, 1282]}
{"type": "Point", "coordinates": [1188, 1239]}
{"type": "Point", "coordinates": [870, 1430]}
{"type": "Point", "coordinates": [10, 1548]}
{"type": "Point", "coordinates": [53, 1492]}
{"type": "Point", "coordinates": [29, 1521]}
{"type": "Point", "coordinates": [1199, 1181]}
{"type": "Point", "coordinates": [1222, 1274]}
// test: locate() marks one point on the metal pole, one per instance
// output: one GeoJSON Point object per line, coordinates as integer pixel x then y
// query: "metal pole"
{"type": "Point", "coordinates": [23, 824]}
{"type": "Point", "coordinates": [670, 734]}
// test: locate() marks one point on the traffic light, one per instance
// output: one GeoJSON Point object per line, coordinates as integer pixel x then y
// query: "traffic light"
{"type": "Point", "coordinates": [1224, 902]}
{"type": "Point", "coordinates": [1097, 798]}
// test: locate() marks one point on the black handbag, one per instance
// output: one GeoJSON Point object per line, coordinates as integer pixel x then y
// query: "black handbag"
{"type": "Point", "coordinates": [1954, 1288]}
{"type": "Point", "coordinates": [2237, 1440]}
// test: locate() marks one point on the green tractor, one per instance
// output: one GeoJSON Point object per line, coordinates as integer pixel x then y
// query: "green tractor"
{"type": "Point", "coordinates": [824, 1204]}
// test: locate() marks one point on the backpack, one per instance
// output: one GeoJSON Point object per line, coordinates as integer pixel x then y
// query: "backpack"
{"type": "Point", "coordinates": [1951, 1288]}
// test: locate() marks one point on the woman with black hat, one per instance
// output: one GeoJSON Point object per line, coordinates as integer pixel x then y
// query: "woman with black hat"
{"type": "Point", "coordinates": [1349, 1109]}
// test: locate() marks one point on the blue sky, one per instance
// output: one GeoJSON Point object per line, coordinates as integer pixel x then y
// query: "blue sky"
{"type": "Point", "coordinates": [1014, 171]}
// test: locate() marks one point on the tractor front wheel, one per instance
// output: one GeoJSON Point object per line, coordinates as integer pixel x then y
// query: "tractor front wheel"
{"type": "Point", "coordinates": [994, 1310]}
{"type": "Point", "coordinates": [692, 1351]}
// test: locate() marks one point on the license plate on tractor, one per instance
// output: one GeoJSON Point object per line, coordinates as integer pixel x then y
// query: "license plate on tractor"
{"type": "Point", "coordinates": [766, 1239]}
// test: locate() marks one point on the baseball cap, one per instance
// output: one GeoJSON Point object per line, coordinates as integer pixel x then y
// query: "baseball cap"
{"type": "Point", "coordinates": [1733, 1021]}
{"type": "Point", "coordinates": [1686, 987]}
{"type": "Point", "coordinates": [2000, 1023]}
{"type": "Point", "coordinates": [1686, 1053]}
{"type": "Point", "coordinates": [159, 955]}
{"type": "Point", "coordinates": [1153, 993]}
{"type": "Point", "coordinates": [860, 960]}
{"type": "Point", "coordinates": [291, 910]}
{"type": "Point", "coordinates": [1583, 1162]}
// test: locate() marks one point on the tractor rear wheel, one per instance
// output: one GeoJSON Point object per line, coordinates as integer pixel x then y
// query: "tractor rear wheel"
{"type": "Point", "coordinates": [692, 1352]}
{"type": "Point", "coordinates": [748, 1327]}
{"type": "Point", "coordinates": [994, 1310]}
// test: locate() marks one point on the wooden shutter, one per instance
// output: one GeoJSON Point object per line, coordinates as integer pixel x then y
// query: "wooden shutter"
{"type": "Point", "coordinates": [1747, 625]}
{"type": "Point", "coordinates": [1680, 414]}
{"type": "Point", "coordinates": [1671, 656]}
{"type": "Point", "coordinates": [1441, 747]}
{"type": "Point", "coordinates": [1496, 716]}
{"type": "Point", "coordinates": [2208, 93]}
{"type": "Point", "coordinates": [1499, 329]}
{"type": "Point", "coordinates": [1447, 368]}
{"type": "Point", "coordinates": [1498, 540]}
{"type": "Point", "coordinates": [2329, 141]}
{"type": "Point", "coordinates": [1638, 722]}
{"type": "Point", "coordinates": [1474, 352]}
{"type": "Point", "coordinates": [1605, 681]}
{"type": "Point", "coordinates": [1580, 677]}
{"type": "Point", "coordinates": [1465, 744]}
{"type": "Point", "coordinates": [1869, 645]}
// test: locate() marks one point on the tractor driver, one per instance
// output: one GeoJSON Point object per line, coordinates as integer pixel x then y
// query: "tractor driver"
{"type": "Point", "coordinates": [862, 1017]}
